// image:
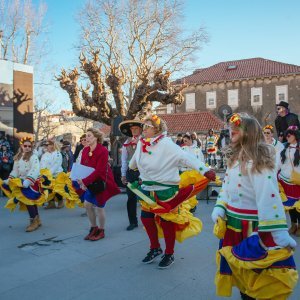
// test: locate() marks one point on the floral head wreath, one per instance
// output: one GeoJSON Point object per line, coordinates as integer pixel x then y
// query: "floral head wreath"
{"type": "Point", "coordinates": [236, 120]}
{"type": "Point", "coordinates": [155, 119]}
{"type": "Point", "coordinates": [268, 127]}
{"type": "Point", "coordinates": [26, 139]}
{"type": "Point", "coordinates": [294, 128]}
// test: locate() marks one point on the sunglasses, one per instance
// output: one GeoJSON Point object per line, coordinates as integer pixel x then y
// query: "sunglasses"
{"type": "Point", "coordinates": [266, 132]}
{"type": "Point", "coordinates": [27, 146]}
{"type": "Point", "coordinates": [146, 126]}
{"type": "Point", "coordinates": [289, 135]}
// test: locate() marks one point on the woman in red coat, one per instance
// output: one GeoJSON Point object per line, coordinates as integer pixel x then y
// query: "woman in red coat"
{"type": "Point", "coordinates": [96, 156]}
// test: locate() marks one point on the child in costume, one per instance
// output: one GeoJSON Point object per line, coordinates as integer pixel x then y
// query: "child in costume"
{"type": "Point", "coordinates": [289, 177]}
{"type": "Point", "coordinates": [52, 161]}
{"type": "Point", "coordinates": [158, 160]}
{"type": "Point", "coordinates": [255, 251]}
{"type": "Point", "coordinates": [268, 132]}
{"type": "Point", "coordinates": [211, 147]}
{"type": "Point", "coordinates": [22, 186]}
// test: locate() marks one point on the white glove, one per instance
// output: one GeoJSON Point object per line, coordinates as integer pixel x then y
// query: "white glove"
{"type": "Point", "coordinates": [26, 183]}
{"type": "Point", "coordinates": [6, 181]}
{"type": "Point", "coordinates": [217, 212]}
{"type": "Point", "coordinates": [283, 239]}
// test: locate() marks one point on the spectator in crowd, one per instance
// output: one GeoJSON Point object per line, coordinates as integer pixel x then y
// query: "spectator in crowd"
{"type": "Point", "coordinates": [6, 161]}
{"type": "Point", "coordinates": [223, 141]}
{"type": "Point", "coordinates": [284, 120]}
{"type": "Point", "coordinates": [80, 146]}
{"type": "Point", "coordinates": [195, 140]}
{"type": "Point", "coordinates": [179, 140]}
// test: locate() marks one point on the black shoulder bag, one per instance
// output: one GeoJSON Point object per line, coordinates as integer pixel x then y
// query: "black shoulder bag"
{"type": "Point", "coordinates": [99, 185]}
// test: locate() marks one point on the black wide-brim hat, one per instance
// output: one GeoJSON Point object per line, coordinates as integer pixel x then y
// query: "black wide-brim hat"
{"type": "Point", "coordinates": [283, 104]}
{"type": "Point", "coordinates": [125, 126]}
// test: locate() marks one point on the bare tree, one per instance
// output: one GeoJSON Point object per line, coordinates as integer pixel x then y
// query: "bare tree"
{"type": "Point", "coordinates": [21, 30]}
{"type": "Point", "coordinates": [129, 50]}
{"type": "Point", "coordinates": [43, 125]}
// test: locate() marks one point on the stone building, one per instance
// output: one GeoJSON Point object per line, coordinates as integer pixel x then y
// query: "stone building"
{"type": "Point", "coordinates": [252, 85]}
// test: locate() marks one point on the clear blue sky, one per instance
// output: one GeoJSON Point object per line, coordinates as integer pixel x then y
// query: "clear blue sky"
{"type": "Point", "coordinates": [238, 29]}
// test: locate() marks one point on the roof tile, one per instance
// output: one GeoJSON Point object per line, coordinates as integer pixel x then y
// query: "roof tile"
{"type": "Point", "coordinates": [245, 68]}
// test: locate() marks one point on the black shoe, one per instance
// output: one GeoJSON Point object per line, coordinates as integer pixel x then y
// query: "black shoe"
{"type": "Point", "coordinates": [131, 227]}
{"type": "Point", "coordinates": [151, 255]}
{"type": "Point", "coordinates": [246, 297]}
{"type": "Point", "coordinates": [193, 209]}
{"type": "Point", "coordinates": [166, 262]}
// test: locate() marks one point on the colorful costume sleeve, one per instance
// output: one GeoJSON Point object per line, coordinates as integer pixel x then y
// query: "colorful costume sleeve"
{"type": "Point", "coordinates": [100, 171]}
{"type": "Point", "coordinates": [34, 171]}
{"type": "Point", "coordinates": [271, 214]}
{"type": "Point", "coordinates": [223, 196]}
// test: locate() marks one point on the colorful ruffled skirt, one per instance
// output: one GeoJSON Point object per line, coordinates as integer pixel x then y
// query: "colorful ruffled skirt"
{"type": "Point", "coordinates": [261, 272]}
{"type": "Point", "coordinates": [18, 195]}
{"type": "Point", "coordinates": [61, 185]}
{"type": "Point", "coordinates": [292, 192]}
{"type": "Point", "coordinates": [175, 204]}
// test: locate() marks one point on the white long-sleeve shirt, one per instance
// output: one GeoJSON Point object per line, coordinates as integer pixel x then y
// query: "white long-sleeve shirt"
{"type": "Point", "coordinates": [52, 161]}
{"type": "Point", "coordinates": [253, 197]}
{"type": "Point", "coordinates": [162, 161]}
{"type": "Point", "coordinates": [29, 170]}
{"type": "Point", "coordinates": [278, 148]}
{"type": "Point", "coordinates": [287, 167]}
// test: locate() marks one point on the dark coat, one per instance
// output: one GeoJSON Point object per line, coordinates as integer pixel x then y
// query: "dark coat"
{"type": "Point", "coordinates": [282, 123]}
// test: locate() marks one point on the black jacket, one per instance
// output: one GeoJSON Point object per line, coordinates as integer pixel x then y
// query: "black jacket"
{"type": "Point", "coordinates": [282, 123]}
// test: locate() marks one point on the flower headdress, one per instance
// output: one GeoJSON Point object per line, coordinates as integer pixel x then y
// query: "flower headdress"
{"type": "Point", "coordinates": [26, 139]}
{"type": "Point", "coordinates": [236, 120]}
{"type": "Point", "coordinates": [294, 128]}
{"type": "Point", "coordinates": [268, 127]}
{"type": "Point", "coordinates": [155, 119]}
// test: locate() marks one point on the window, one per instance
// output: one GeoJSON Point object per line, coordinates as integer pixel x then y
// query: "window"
{"type": "Point", "coordinates": [231, 67]}
{"type": "Point", "coordinates": [256, 96]}
{"type": "Point", "coordinates": [211, 100]}
{"type": "Point", "coordinates": [190, 101]}
{"type": "Point", "coordinates": [233, 98]}
{"type": "Point", "coordinates": [281, 93]}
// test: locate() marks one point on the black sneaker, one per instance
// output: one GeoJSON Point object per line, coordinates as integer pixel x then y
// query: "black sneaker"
{"type": "Point", "coordinates": [166, 262]}
{"type": "Point", "coordinates": [151, 255]}
{"type": "Point", "coordinates": [131, 227]}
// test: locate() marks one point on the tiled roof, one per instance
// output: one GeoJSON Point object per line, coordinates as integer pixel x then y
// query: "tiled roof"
{"type": "Point", "coordinates": [190, 122]}
{"type": "Point", "coordinates": [240, 69]}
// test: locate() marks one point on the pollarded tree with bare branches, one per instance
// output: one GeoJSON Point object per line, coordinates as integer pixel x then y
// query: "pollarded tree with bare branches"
{"type": "Point", "coordinates": [129, 50]}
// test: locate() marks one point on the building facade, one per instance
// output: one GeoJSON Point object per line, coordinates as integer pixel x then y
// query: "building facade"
{"type": "Point", "coordinates": [16, 100]}
{"type": "Point", "coordinates": [253, 85]}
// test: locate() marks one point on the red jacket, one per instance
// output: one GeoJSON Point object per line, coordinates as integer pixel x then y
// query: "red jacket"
{"type": "Point", "coordinates": [99, 161]}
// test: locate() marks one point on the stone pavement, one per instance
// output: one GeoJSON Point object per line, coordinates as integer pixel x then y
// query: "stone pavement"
{"type": "Point", "coordinates": [55, 262]}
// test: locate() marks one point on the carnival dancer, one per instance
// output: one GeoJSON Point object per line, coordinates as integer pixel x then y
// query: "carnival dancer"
{"type": "Point", "coordinates": [211, 147]}
{"type": "Point", "coordinates": [193, 149]}
{"type": "Point", "coordinates": [95, 155]}
{"type": "Point", "coordinates": [52, 160]}
{"type": "Point", "coordinates": [22, 186]}
{"type": "Point", "coordinates": [255, 248]}
{"type": "Point", "coordinates": [133, 129]}
{"type": "Point", "coordinates": [289, 177]}
{"type": "Point", "coordinates": [158, 159]}
{"type": "Point", "coordinates": [268, 132]}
